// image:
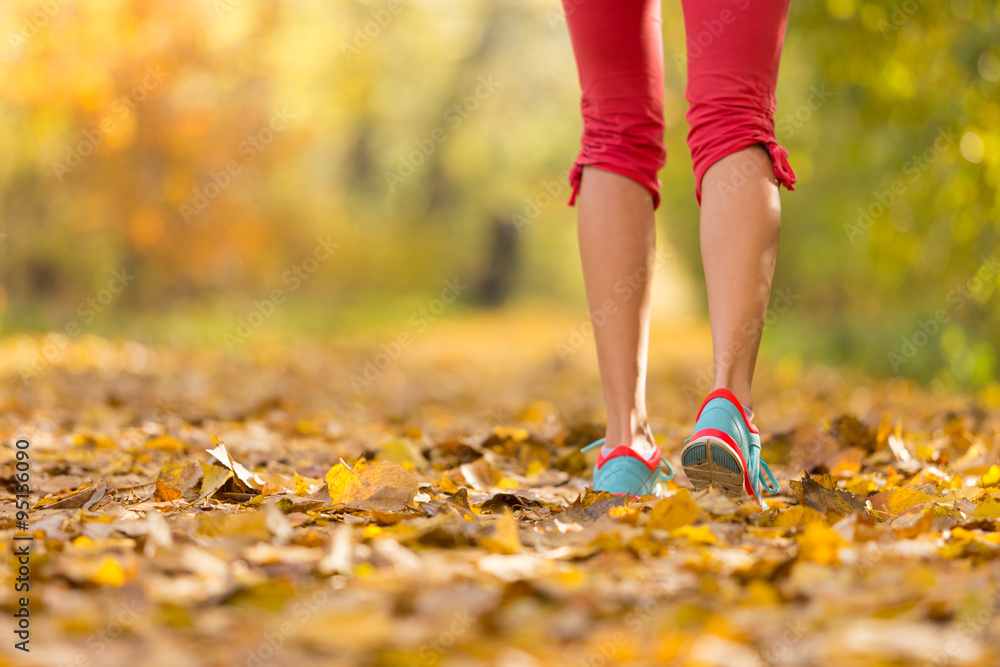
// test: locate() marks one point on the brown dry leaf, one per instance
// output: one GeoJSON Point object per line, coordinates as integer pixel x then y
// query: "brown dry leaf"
{"type": "Point", "coordinates": [164, 493]}
{"type": "Point", "coordinates": [85, 498]}
{"type": "Point", "coordinates": [378, 485]}
{"type": "Point", "coordinates": [249, 480]}
{"type": "Point", "coordinates": [674, 511]}
{"type": "Point", "coordinates": [480, 475]}
{"type": "Point", "coordinates": [850, 432]}
{"type": "Point", "coordinates": [912, 524]}
{"type": "Point", "coordinates": [812, 494]}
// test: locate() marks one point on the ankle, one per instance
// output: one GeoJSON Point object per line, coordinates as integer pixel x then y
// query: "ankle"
{"type": "Point", "coordinates": [638, 437]}
{"type": "Point", "coordinates": [740, 390]}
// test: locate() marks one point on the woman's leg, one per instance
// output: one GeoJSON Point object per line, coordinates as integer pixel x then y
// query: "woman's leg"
{"type": "Point", "coordinates": [739, 244]}
{"type": "Point", "coordinates": [617, 238]}
{"type": "Point", "coordinates": [619, 53]}
{"type": "Point", "coordinates": [733, 54]}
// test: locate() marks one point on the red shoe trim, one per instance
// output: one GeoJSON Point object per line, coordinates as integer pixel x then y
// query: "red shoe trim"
{"type": "Point", "coordinates": [625, 450]}
{"type": "Point", "coordinates": [729, 396]}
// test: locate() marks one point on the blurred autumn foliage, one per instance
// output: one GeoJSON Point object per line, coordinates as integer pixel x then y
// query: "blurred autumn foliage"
{"type": "Point", "coordinates": [209, 146]}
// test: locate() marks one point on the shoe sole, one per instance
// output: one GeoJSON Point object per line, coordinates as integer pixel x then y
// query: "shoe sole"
{"type": "Point", "coordinates": [709, 459]}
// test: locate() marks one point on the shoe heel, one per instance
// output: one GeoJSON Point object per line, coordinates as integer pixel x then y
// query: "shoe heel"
{"type": "Point", "coordinates": [708, 460]}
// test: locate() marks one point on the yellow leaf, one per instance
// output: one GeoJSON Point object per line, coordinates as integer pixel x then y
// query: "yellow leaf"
{"type": "Point", "coordinates": [507, 483]}
{"type": "Point", "coordinates": [83, 542]}
{"type": "Point", "coordinates": [306, 427]}
{"type": "Point", "coordinates": [798, 516]}
{"type": "Point", "coordinates": [673, 512]}
{"type": "Point", "coordinates": [895, 501]}
{"type": "Point", "coordinates": [179, 474]}
{"type": "Point", "coordinates": [212, 478]}
{"type": "Point", "coordinates": [988, 510]}
{"type": "Point", "coordinates": [508, 433]}
{"type": "Point", "coordinates": [695, 534]}
{"type": "Point", "coordinates": [447, 485]}
{"type": "Point", "coordinates": [535, 468]}
{"type": "Point", "coordinates": [506, 537]}
{"type": "Point", "coordinates": [991, 478]}
{"type": "Point", "coordinates": [167, 444]}
{"type": "Point", "coordinates": [379, 485]}
{"type": "Point", "coordinates": [819, 543]}
{"type": "Point", "coordinates": [108, 573]}
{"type": "Point", "coordinates": [301, 486]}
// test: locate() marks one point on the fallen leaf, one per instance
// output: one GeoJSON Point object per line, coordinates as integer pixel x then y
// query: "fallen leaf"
{"type": "Point", "coordinates": [245, 477]}
{"type": "Point", "coordinates": [166, 443]}
{"type": "Point", "coordinates": [812, 494]}
{"type": "Point", "coordinates": [674, 511]}
{"type": "Point", "coordinates": [213, 477]}
{"type": "Point", "coordinates": [84, 498]}
{"type": "Point", "coordinates": [164, 493]}
{"type": "Point", "coordinates": [893, 502]}
{"type": "Point", "coordinates": [820, 543]}
{"type": "Point", "coordinates": [506, 538]}
{"type": "Point", "coordinates": [379, 485]}
{"type": "Point", "coordinates": [182, 475]}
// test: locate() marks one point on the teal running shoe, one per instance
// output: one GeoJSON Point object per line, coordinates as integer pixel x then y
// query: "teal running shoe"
{"type": "Point", "coordinates": [725, 450]}
{"type": "Point", "coordinates": [624, 472]}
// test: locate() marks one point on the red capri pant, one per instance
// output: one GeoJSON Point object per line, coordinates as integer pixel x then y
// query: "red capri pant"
{"type": "Point", "coordinates": [733, 51]}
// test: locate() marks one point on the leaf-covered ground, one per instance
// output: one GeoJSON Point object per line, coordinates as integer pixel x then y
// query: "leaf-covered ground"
{"type": "Point", "coordinates": [320, 504]}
